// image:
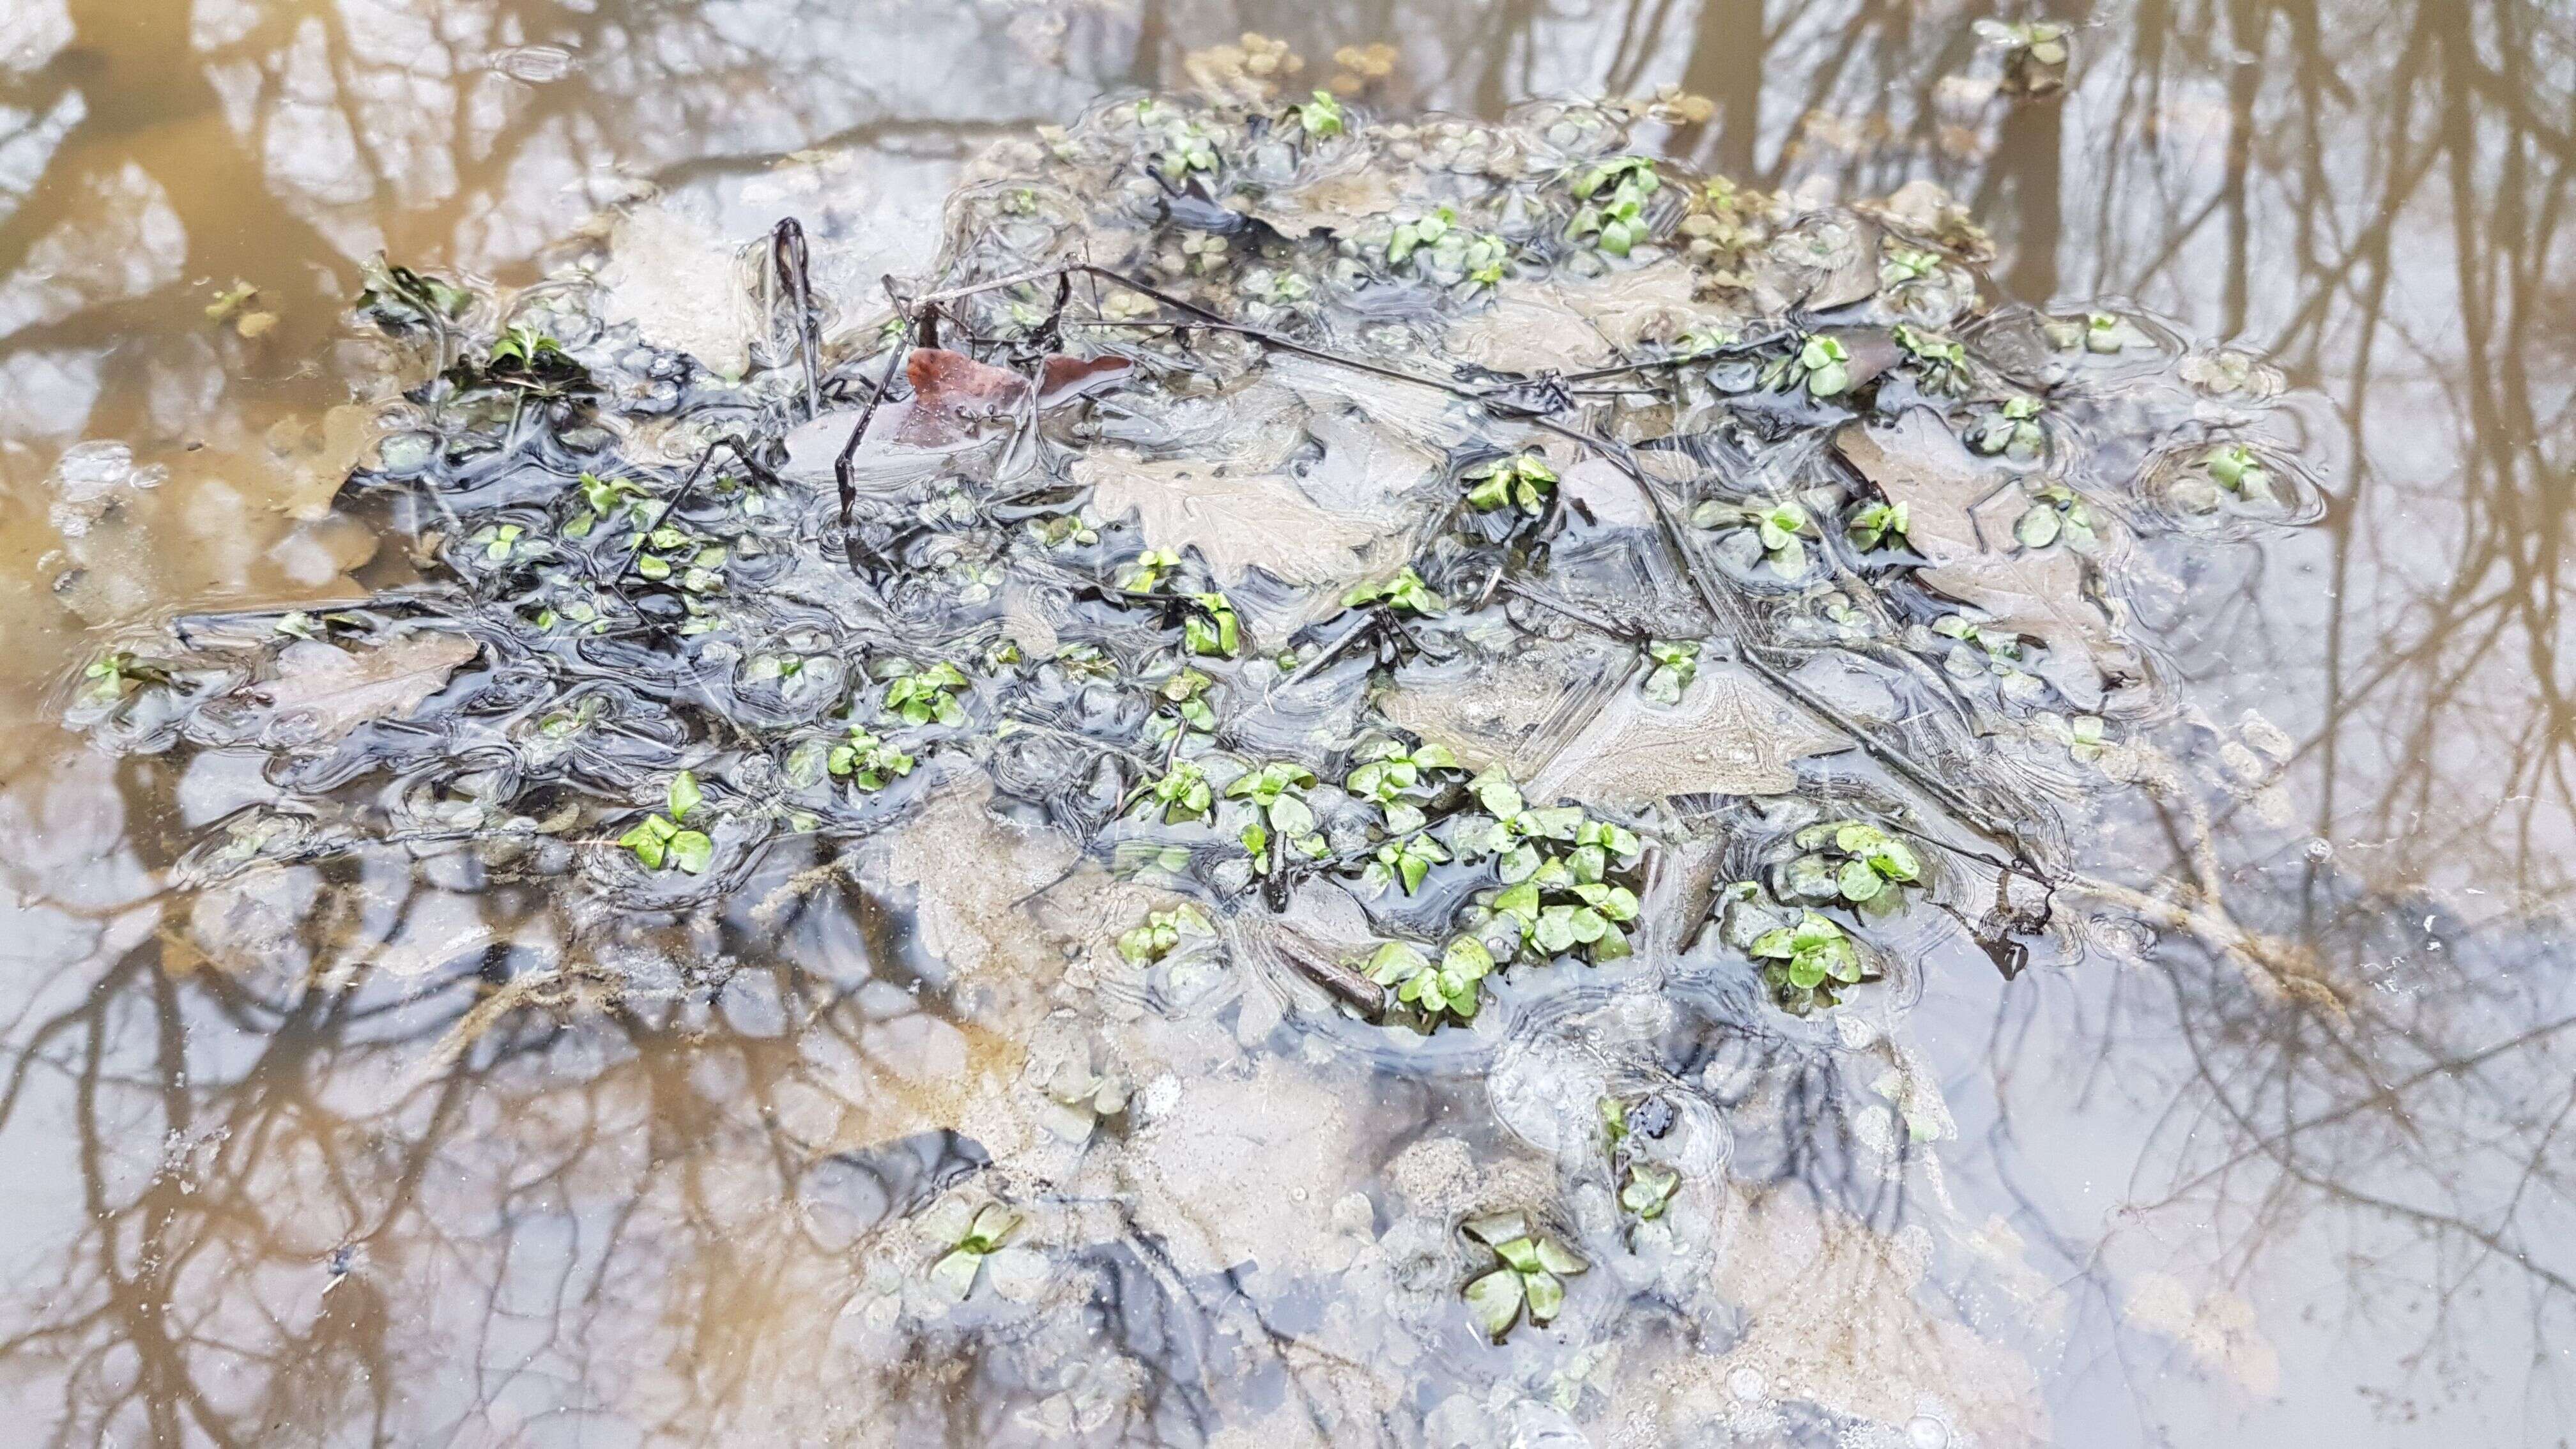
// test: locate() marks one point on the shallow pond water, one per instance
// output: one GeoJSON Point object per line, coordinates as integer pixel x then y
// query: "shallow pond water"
{"type": "Point", "coordinates": [359, 1090]}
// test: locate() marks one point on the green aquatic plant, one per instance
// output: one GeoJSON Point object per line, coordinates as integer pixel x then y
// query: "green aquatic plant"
{"type": "Point", "coordinates": [1533, 1267]}
{"type": "Point", "coordinates": [1210, 628]}
{"type": "Point", "coordinates": [918, 696]}
{"type": "Point", "coordinates": [1182, 790]}
{"type": "Point", "coordinates": [114, 674]}
{"type": "Point", "coordinates": [1320, 118]}
{"type": "Point", "coordinates": [1162, 932]}
{"type": "Point", "coordinates": [1875, 523]}
{"type": "Point", "coordinates": [956, 1270]}
{"type": "Point", "coordinates": [668, 840]}
{"type": "Point", "coordinates": [1408, 858]}
{"type": "Point", "coordinates": [2011, 430]}
{"type": "Point", "coordinates": [1809, 963]}
{"type": "Point", "coordinates": [1648, 1191]}
{"type": "Point", "coordinates": [2235, 468]}
{"type": "Point", "coordinates": [1406, 592]}
{"type": "Point", "coordinates": [1940, 362]}
{"type": "Point", "coordinates": [1523, 480]}
{"type": "Point", "coordinates": [1850, 862]}
{"type": "Point", "coordinates": [868, 762]}
{"type": "Point", "coordinates": [1778, 527]}
{"type": "Point", "coordinates": [2058, 514]}
{"type": "Point", "coordinates": [1186, 691]}
{"type": "Point", "coordinates": [1277, 794]}
{"type": "Point", "coordinates": [1613, 196]}
{"type": "Point", "coordinates": [1676, 665]}
{"type": "Point", "coordinates": [1820, 364]}
{"type": "Point", "coordinates": [1454, 987]}
{"type": "Point", "coordinates": [1415, 233]}
{"type": "Point", "coordinates": [1397, 779]}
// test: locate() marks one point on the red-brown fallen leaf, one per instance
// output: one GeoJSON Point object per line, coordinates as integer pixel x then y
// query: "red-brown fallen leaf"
{"type": "Point", "coordinates": [1065, 377]}
{"type": "Point", "coordinates": [950, 392]}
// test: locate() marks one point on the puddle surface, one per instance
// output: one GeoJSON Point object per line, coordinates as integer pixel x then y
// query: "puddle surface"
{"type": "Point", "coordinates": [380, 1073]}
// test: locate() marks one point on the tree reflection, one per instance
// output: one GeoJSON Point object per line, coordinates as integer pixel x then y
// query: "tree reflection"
{"type": "Point", "coordinates": [295, 1208]}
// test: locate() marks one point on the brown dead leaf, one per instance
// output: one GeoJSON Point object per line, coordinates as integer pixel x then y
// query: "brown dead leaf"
{"type": "Point", "coordinates": [1919, 462]}
{"type": "Point", "coordinates": [1560, 327]}
{"type": "Point", "coordinates": [951, 392]}
{"type": "Point", "coordinates": [1732, 734]}
{"type": "Point", "coordinates": [2041, 595]}
{"type": "Point", "coordinates": [1234, 520]}
{"type": "Point", "coordinates": [320, 691]}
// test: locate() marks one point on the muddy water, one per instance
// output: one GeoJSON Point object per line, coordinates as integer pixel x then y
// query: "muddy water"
{"type": "Point", "coordinates": [348, 1161]}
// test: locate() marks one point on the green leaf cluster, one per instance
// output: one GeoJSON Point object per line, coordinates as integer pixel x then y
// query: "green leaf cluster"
{"type": "Point", "coordinates": [1555, 864]}
{"type": "Point", "coordinates": [956, 1270]}
{"type": "Point", "coordinates": [1806, 964]}
{"type": "Point", "coordinates": [1454, 987]}
{"type": "Point", "coordinates": [1319, 118]}
{"type": "Point", "coordinates": [1163, 931]}
{"type": "Point", "coordinates": [1277, 794]}
{"type": "Point", "coordinates": [1875, 523]}
{"type": "Point", "coordinates": [1524, 480]}
{"type": "Point", "coordinates": [866, 761]}
{"type": "Point", "coordinates": [2058, 515]}
{"type": "Point", "coordinates": [1851, 862]}
{"type": "Point", "coordinates": [1676, 665]}
{"type": "Point", "coordinates": [1415, 233]}
{"type": "Point", "coordinates": [2012, 430]}
{"type": "Point", "coordinates": [667, 840]}
{"type": "Point", "coordinates": [1613, 196]}
{"type": "Point", "coordinates": [1210, 628]}
{"type": "Point", "coordinates": [919, 696]}
{"type": "Point", "coordinates": [1530, 1278]}
{"type": "Point", "coordinates": [1406, 591]}
{"type": "Point", "coordinates": [1821, 364]}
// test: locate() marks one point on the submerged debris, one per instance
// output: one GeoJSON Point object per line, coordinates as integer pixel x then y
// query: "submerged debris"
{"type": "Point", "coordinates": [1295, 588]}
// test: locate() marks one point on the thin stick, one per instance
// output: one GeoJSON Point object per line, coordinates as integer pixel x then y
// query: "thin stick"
{"type": "Point", "coordinates": [787, 254]}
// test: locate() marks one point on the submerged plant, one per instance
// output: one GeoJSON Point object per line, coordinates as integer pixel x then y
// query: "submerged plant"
{"type": "Point", "coordinates": [1418, 232]}
{"type": "Point", "coordinates": [1676, 665]}
{"type": "Point", "coordinates": [1162, 932]}
{"type": "Point", "coordinates": [1612, 216]}
{"type": "Point", "coordinates": [2058, 514]}
{"type": "Point", "coordinates": [1523, 480]}
{"type": "Point", "coordinates": [1320, 118]}
{"type": "Point", "coordinates": [1648, 1191]}
{"type": "Point", "coordinates": [2036, 53]}
{"type": "Point", "coordinates": [1454, 987]}
{"type": "Point", "coordinates": [1940, 362]}
{"type": "Point", "coordinates": [867, 762]}
{"type": "Point", "coordinates": [1821, 364]}
{"type": "Point", "coordinates": [1396, 779]}
{"type": "Point", "coordinates": [918, 696]}
{"type": "Point", "coordinates": [1277, 794]}
{"type": "Point", "coordinates": [1530, 1278]}
{"type": "Point", "coordinates": [1209, 627]}
{"type": "Point", "coordinates": [1406, 592]}
{"type": "Point", "coordinates": [1876, 523]}
{"type": "Point", "coordinates": [668, 839]}
{"type": "Point", "coordinates": [1850, 862]}
{"type": "Point", "coordinates": [1183, 792]}
{"type": "Point", "coordinates": [1408, 858]}
{"type": "Point", "coordinates": [1186, 691]}
{"type": "Point", "coordinates": [1781, 528]}
{"type": "Point", "coordinates": [2236, 469]}
{"type": "Point", "coordinates": [114, 674]}
{"type": "Point", "coordinates": [1807, 964]}
{"type": "Point", "coordinates": [2011, 430]}
{"type": "Point", "coordinates": [957, 1269]}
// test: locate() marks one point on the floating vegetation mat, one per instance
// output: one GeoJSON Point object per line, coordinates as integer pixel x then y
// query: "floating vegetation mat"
{"type": "Point", "coordinates": [1400, 711]}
